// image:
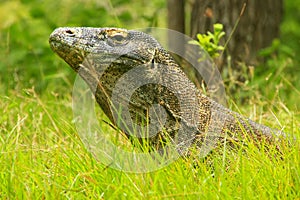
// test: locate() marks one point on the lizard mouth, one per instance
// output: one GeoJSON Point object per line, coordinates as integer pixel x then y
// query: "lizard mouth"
{"type": "Point", "coordinates": [62, 42]}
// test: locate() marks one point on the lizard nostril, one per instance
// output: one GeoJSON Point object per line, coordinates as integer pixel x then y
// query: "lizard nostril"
{"type": "Point", "coordinates": [70, 32]}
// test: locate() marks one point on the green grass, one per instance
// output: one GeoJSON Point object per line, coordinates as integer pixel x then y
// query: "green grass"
{"type": "Point", "coordinates": [42, 156]}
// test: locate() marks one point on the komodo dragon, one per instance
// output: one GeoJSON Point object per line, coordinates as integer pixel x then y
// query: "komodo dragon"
{"type": "Point", "coordinates": [103, 56]}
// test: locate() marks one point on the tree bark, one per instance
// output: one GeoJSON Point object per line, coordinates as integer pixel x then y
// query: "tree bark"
{"type": "Point", "coordinates": [258, 25]}
{"type": "Point", "coordinates": [176, 22]}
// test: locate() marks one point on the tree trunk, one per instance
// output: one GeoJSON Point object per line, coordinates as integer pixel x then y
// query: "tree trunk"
{"type": "Point", "coordinates": [258, 25]}
{"type": "Point", "coordinates": [176, 22]}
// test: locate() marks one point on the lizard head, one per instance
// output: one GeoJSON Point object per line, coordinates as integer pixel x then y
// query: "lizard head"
{"type": "Point", "coordinates": [102, 55]}
{"type": "Point", "coordinates": [116, 45]}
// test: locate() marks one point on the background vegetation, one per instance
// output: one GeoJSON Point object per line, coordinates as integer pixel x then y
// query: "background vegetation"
{"type": "Point", "coordinates": [42, 157]}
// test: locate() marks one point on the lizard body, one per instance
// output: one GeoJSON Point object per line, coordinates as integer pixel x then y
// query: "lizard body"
{"type": "Point", "coordinates": [104, 56]}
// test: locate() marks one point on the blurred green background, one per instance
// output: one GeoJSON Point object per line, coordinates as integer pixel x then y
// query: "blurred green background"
{"type": "Point", "coordinates": [26, 60]}
{"type": "Point", "coordinates": [25, 26]}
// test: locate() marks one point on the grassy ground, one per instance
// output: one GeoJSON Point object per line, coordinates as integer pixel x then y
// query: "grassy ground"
{"type": "Point", "coordinates": [42, 156]}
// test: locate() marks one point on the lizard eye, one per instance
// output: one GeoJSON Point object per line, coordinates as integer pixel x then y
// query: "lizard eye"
{"type": "Point", "coordinates": [117, 38]}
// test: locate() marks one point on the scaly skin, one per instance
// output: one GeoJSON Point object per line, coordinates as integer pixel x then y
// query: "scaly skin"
{"type": "Point", "coordinates": [103, 56]}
